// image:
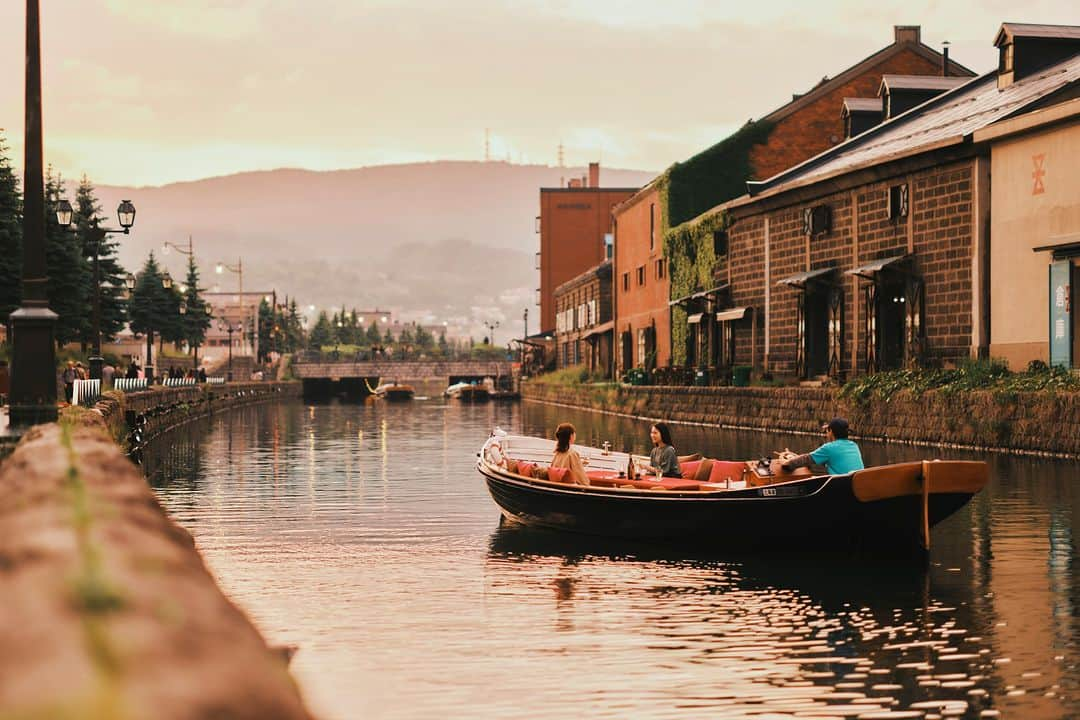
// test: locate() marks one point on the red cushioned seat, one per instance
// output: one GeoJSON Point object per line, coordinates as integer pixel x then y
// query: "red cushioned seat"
{"type": "Point", "coordinates": [726, 469]}
{"type": "Point", "coordinates": [689, 469]}
{"type": "Point", "coordinates": [526, 469]}
{"type": "Point", "coordinates": [558, 475]}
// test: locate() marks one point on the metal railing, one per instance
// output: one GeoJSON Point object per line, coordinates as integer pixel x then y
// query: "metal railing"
{"type": "Point", "coordinates": [86, 392]}
{"type": "Point", "coordinates": [215, 381]}
{"type": "Point", "coordinates": [130, 384]}
{"type": "Point", "coordinates": [178, 382]}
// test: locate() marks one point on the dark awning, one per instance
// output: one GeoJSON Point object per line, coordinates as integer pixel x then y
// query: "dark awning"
{"type": "Point", "coordinates": [799, 280]}
{"type": "Point", "coordinates": [732, 314]}
{"type": "Point", "coordinates": [1064, 246]}
{"type": "Point", "coordinates": [599, 329]}
{"type": "Point", "coordinates": [698, 295]}
{"type": "Point", "coordinates": [870, 269]}
{"type": "Point", "coordinates": [694, 319]}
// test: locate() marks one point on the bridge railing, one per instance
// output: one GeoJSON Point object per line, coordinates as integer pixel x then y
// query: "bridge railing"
{"type": "Point", "coordinates": [396, 355]}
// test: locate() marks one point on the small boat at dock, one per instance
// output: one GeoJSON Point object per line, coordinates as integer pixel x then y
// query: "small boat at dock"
{"type": "Point", "coordinates": [395, 391]}
{"type": "Point", "coordinates": [469, 392]}
{"type": "Point", "coordinates": [735, 504]}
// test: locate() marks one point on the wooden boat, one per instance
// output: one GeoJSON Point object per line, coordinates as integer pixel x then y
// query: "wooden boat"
{"type": "Point", "coordinates": [473, 393]}
{"type": "Point", "coordinates": [395, 391]}
{"type": "Point", "coordinates": [739, 504]}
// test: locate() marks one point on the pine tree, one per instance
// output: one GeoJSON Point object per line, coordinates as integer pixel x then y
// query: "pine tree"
{"type": "Point", "coordinates": [88, 222]}
{"type": "Point", "coordinates": [373, 336]}
{"type": "Point", "coordinates": [267, 321]}
{"type": "Point", "coordinates": [444, 348]}
{"type": "Point", "coordinates": [10, 236]}
{"type": "Point", "coordinates": [152, 308]}
{"type": "Point", "coordinates": [68, 276]}
{"type": "Point", "coordinates": [322, 334]}
{"type": "Point", "coordinates": [294, 329]}
{"type": "Point", "coordinates": [195, 320]}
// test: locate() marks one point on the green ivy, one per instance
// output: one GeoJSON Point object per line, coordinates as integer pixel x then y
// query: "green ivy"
{"type": "Point", "coordinates": [688, 190]}
{"type": "Point", "coordinates": [689, 249]}
{"type": "Point", "coordinates": [715, 175]}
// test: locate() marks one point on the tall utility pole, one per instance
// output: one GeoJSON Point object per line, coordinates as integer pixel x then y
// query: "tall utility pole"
{"type": "Point", "coordinates": [487, 145]}
{"type": "Point", "coordinates": [33, 357]}
{"type": "Point", "coordinates": [562, 156]}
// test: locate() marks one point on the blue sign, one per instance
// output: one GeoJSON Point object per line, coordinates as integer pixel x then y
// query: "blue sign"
{"type": "Point", "coordinates": [1061, 313]}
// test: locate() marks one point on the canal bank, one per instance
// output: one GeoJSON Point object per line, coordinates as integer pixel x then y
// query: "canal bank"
{"type": "Point", "coordinates": [1042, 423]}
{"type": "Point", "coordinates": [110, 609]}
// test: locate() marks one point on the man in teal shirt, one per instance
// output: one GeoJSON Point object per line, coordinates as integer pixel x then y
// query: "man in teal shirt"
{"type": "Point", "coordinates": [839, 455]}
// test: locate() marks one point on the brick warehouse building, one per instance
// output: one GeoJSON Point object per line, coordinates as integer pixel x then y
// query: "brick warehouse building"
{"type": "Point", "coordinates": [876, 253]}
{"type": "Point", "coordinates": [575, 229]}
{"type": "Point", "coordinates": [809, 124]}
{"type": "Point", "coordinates": [583, 321]}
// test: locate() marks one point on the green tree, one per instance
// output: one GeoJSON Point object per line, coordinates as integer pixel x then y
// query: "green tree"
{"type": "Point", "coordinates": [88, 222]}
{"type": "Point", "coordinates": [10, 236]}
{"type": "Point", "coordinates": [444, 347]}
{"type": "Point", "coordinates": [67, 269]}
{"type": "Point", "coordinates": [424, 338]}
{"type": "Point", "coordinates": [152, 308]}
{"type": "Point", "coordinates": [268, 321]}
{"type": "Point", "coordinates": [388, 338]}
{"type": "Point", "coordinates": [294, 328]}
{"type": "Point", "coordinates": [195, 321]}
{"type": "Point", "coordinates": [373, 336]}
{"type": "Point", "coordinates": [322, 333]}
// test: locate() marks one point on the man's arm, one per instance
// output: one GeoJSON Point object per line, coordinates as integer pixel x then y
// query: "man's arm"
{"type": "Point", "coordinates": [798, 461]}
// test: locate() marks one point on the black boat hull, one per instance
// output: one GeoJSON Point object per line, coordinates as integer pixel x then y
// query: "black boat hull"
{"type": "Point", "coordinates": [820, 512]}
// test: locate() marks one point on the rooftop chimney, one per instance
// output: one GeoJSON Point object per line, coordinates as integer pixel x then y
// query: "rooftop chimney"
{"type": "Point", "coordinates": [594, 174]}
{"type": "Point", "coordinates": [945, 59]}
{"type": "Point", "coordinates": [907, 34]}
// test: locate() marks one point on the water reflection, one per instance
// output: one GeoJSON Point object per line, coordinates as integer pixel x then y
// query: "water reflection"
{"type": "Point", "coordinates": [364, 535]}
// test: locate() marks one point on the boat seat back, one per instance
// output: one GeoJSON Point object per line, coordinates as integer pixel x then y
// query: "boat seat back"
{"type": "Point", "coordinates": [722, 469]}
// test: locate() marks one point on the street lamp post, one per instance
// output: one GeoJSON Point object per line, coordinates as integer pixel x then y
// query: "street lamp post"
{"type": "Point", "coordinates": [33, 357]}
{"type": "Point", "coordinates": [125, 213]}
{"type": "Point", "coordinates": [525, 336]}
{"type": "Point", "coordinates": [491, 330]}
{"type": "Point", "coordinates": [230, 328]}
{"type": "Point", "coordinates": [239, 270]}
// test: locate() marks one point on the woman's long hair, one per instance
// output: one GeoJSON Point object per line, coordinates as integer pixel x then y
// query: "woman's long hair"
{"type": "Point", "coordinates": [562, 437]}
{"type": "Point", "coordinates": [665, 432]}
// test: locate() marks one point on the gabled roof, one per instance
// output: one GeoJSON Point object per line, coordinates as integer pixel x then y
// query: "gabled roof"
{"type": "Point", "coordinates": [1011, 31]}
{"type": "Point", "coordinates": [827, 84]}
{"type": "Point", "coordinates": [948, 119]}
{"type": "Point", "coordinates": [920, 82]}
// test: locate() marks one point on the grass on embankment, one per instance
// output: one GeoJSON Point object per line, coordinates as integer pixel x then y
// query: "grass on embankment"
{"type": "Point", "coordinates": [991, 376]}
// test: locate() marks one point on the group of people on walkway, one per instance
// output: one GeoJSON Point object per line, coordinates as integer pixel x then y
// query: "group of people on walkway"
{"type": "Point", "coordinates": [838, 455]}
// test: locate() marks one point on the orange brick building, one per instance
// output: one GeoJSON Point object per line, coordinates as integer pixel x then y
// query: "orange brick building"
{"type": "Point", "coordinates": [651, 318]}
{"type": "Point", "coordinates": [642, 286]}
{"type": "Point", "coordinates": [572, 224]}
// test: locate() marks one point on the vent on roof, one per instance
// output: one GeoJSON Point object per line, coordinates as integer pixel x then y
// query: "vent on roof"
{"type": "Point", "coordinates": [900, 93]}
{"type": "Point", "coordinates": [1025, 49]}
{"type": "Point", "coordinates": [859, 115]}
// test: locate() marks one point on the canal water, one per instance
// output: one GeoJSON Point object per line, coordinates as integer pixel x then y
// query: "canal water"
{"type": "Point", "coordinates": [363, 534]}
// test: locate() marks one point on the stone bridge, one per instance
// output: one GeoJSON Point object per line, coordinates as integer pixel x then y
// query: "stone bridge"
{"type": "Point", "coordinates": [406, 371]}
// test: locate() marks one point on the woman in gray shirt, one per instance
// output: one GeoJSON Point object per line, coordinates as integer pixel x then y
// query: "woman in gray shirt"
{"type": "Point", "coordinates": [663, 457]}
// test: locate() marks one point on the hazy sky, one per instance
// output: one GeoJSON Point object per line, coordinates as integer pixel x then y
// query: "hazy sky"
{"type": "Point", "coordinates": [153, 91]}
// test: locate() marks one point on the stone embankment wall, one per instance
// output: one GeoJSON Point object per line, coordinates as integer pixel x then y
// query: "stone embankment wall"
{"type": "Point", "coordinates": [1035, 423]}
{"type": "Point", "coordinates": [109, 610]}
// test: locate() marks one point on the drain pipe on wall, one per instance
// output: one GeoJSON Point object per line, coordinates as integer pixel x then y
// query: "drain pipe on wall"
{"type": "Point", "coordinates": [768, 274]}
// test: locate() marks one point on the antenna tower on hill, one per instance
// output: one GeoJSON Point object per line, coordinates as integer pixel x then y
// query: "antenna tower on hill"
{"type": "Point", "coordinates": [562, 157]}
{"type": "Point", "coordinates": [487, 145]}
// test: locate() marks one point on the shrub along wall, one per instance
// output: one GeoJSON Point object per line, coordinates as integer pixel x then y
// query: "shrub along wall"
{"type": "Point", "coordinates": [1038, 423]}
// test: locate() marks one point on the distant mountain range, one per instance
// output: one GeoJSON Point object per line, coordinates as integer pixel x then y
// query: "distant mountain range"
{"type": "Point", "coordinates": [434, 242]}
